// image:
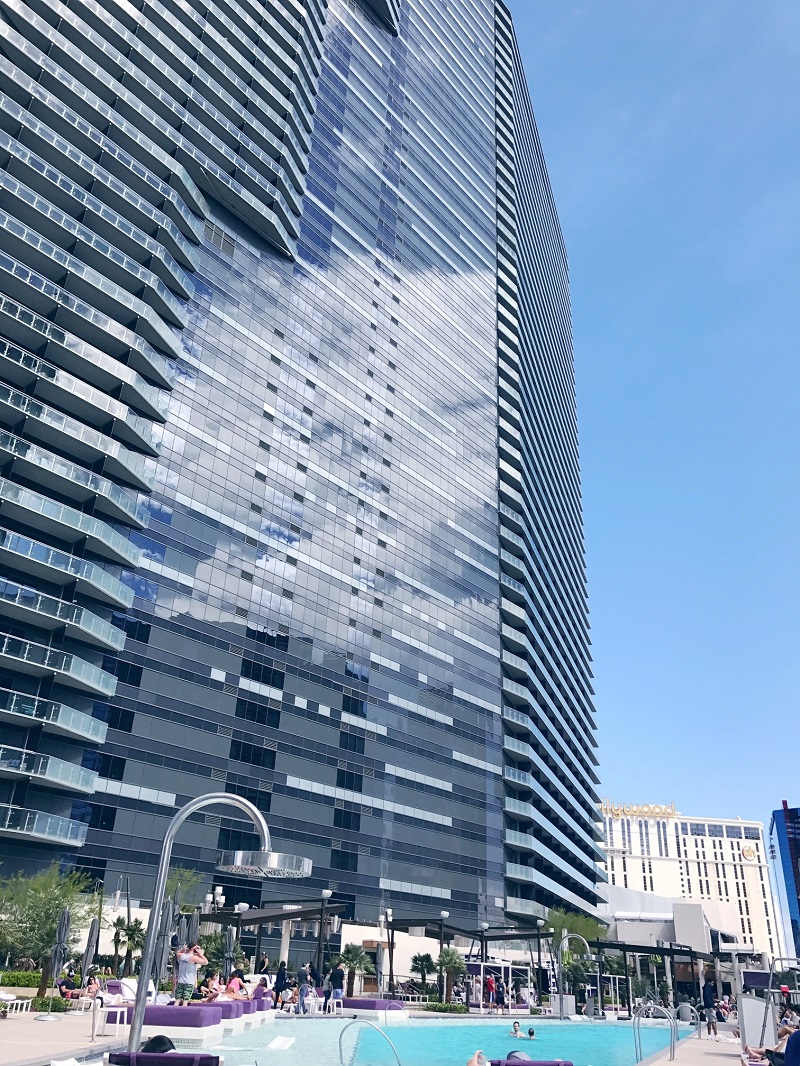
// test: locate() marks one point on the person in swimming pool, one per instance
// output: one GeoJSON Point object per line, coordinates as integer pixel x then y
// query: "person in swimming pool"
{"type": "Point", "coordinates": [515, 1031]}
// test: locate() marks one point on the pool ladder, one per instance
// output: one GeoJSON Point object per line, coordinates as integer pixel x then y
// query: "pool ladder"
{"type": "Point", "coordinates": [372, 1025]}
{"type": "Point", "coordinates": [649, 1010]}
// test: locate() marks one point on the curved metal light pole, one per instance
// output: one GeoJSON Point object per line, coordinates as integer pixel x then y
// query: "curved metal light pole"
{"type": "Point", "coordinates": [565, 940]}
{"type": "Point", "coordinates": [263, 863]}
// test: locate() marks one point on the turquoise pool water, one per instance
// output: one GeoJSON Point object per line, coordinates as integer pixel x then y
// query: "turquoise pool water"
{"type": "Point", "coordinates": [430, 1044]}
{"type": "Point", "coordinates": [440, 1042]}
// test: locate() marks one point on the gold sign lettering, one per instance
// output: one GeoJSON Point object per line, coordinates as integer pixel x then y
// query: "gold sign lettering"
{"type": "Point", "coordinates": [642, 810]}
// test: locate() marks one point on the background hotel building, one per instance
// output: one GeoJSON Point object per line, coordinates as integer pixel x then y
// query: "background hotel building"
{"type": "Point", "coordinates": [290, 495]}
{"type": "Point", "coordinates": [656, 857]}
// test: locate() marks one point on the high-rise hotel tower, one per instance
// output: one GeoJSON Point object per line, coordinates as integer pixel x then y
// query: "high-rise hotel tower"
{"type": "Point", "coordinates": [289, 498]}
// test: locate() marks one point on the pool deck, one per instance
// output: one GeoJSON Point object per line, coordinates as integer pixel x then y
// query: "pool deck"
{"type": "Point", "coordinates": [26, 1042]}
{"type": "Point", "coordinates": [693, 1052]}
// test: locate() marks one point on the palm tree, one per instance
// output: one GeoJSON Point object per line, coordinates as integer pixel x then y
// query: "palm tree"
{"type": "Point", "coordinates": [423, 965]}
{"type": "Point", "coordinates": [134, 941]}
{"type": "Point", "coordinates": [355, 960]}
{"type": "Point", "coordinates": [118, 925]}
{"type": "Point", "coordinates": [450, 962]}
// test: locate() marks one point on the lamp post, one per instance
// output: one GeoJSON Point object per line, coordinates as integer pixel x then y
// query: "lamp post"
{"type": "Point", "coordinates": [262, 863]}
{"type": "Point", "coordinates": [390, 931]}
{"type": "Point", "coordinates": [443, 916]}
{"type": "Point", "coordinates": [326, 895]}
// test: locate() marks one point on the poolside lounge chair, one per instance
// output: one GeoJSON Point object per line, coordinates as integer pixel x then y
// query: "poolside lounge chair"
{"type": "Point", "coordinates": [167, 1058]}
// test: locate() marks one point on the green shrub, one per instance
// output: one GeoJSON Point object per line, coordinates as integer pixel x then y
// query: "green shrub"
{"type": "Point", "coordinates": [41, 1003]}
{"type": "Point", "coordinates": [20, 978]}
{"type": "Point", "coordinates": [447, 1008]}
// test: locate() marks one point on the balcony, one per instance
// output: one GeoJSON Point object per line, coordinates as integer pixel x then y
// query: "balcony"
{"type": "Point", "coordinates": [65, 523]}
{"type": "Point", "coordinates": [26, 604]}
{"type": "Point", "coordinates": [35, 559]}
{"type": "Point", "coordinates": [46, 769]}
{"type": "Point", "coordinates": [38, 660]}
{"type": "Point", "coordinates": [528, 907]}
{"type": "Point", "coordinates": [18, 708]}
{"type": "Point", "coordinates": [50, 427]}
{"type": "Point", "coordinates": [75, 355]}
{"type": "Point", "coordinates": [39, 379]}
{"type": "Point", "coordinates": [38, 825]}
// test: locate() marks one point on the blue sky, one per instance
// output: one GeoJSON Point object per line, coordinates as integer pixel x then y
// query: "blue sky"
{"type": "Point", "coordinates": [672, 137]}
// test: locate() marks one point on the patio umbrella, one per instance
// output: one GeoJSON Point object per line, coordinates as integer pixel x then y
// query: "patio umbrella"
{"type": "Point", "coordinates": [229, 958]}
{"type": "Point", "coordinates": [58, 957]}
{"type": "Point", "coordinates": [193, 928]}
{"type": "Point", "coordinates": [163, 944]}
{"type": "Point", "coordinates": [176, 906]}
{"type": "Point", "coordinates": [183, 932]}
{"type": "Point", "coordinates": [91, 948]}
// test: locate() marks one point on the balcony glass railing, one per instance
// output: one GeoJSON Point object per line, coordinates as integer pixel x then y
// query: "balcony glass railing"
{"type": "Point", "coordinates": [25, 548]}
{"type": "Point", "coordinates": [74, 521]}
{"type": "Point", "coordinates": [46, 768]}
{"type": "Point", "coordinates": [24, 364]}
{"type": "Point", "coordinates": [98, 366]}
{"type": "Point", "coordinates": [25, 598]}
{"type": "Point", "coordinates": [68, 667]}
{"type": "Point", "coordinates": [96, 444]}
{"type": "Point", "coordinates": [58, 715]}
{"type": "Point", "coordinates": [42, 826]}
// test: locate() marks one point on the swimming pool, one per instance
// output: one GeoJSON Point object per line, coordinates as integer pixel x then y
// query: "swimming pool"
{"type": "Point", "coordinates": [441, 1042]}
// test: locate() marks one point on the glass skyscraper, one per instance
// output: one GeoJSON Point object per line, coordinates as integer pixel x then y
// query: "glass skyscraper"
{"type": "Point", "coordinates": [786, 826]}
{"type": "Point", "coordinates": [290, 497]}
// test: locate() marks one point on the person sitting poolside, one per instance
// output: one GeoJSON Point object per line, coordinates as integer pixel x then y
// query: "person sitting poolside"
{"type": "Point", "coordinates": [236, 988]}
{"type": "Point", "coordinates": [66, 988]}
{"type": "Point", "coordinates": [764, 1054]}
{"type": "Point", "coordinates": [158, 1045]}
{"type": "Point", "coordinates": [210, 988]}
{"type": "Point", "coordinates": [262, 990]}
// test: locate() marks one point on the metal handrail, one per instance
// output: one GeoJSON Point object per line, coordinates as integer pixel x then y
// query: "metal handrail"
{"type": "Point", "coordinates": [377, 1028]}
{"type": "Point", "coordinates": [402, 1008]}
{"type": "Point", "coordinates": [667, 1014]}
{"type": "Point", "coordinates": [794, 964]}
{"type": "Point", "coordinates": [698, 1023]}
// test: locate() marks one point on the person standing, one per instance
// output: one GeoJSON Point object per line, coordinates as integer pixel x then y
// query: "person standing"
{"type": "Point", "coordinates": [263, 966]}
{"type": "Point", "coordinates": [500, 994]}
{"type": "Point", "coordinates": [337, 982]}
{"type": "Point", "coordinates": [281, 982]}
{"type": "Point", "coordinates": [189, 958]}
{"type": "Point", "coordinates": [709, 1007]}
{"type": "Point", "coordinates": [302, 993]}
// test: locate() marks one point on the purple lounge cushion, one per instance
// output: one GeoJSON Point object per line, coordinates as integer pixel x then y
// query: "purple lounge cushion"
{"type": "Point", "coordinates": [191, 1017]}
{"type": "Point", "coordinates": [535, 1062]}
{"type": "Point", "coordinates": [371, 1004]}
{"type": "Point", "coordinates": [231, 1008]}
{"type": "Point", "coordinates": [148, 1058]}
{"type": "Point", "coordinates": [249, 1006]}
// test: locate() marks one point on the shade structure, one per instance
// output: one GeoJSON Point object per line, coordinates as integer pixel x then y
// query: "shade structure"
{"type": "Point", "coordinates": [229, 959]}
{"type": "Point", "coordinates": [91, 948]}
{"type": "Point", "coordinates": [264, 864]}
{"type": "Point", "coordinates": [183, 932]}
{"type": "Point", "coordinates": [193, 928]}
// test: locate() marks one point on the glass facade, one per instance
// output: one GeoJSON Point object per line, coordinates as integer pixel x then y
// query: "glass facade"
{"type": "Point", "coordinates": [786, 826]}
{"type": "Point", "coordinates": [309, 294]}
